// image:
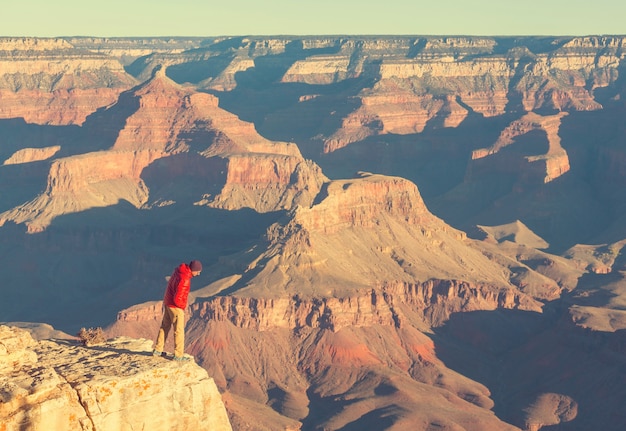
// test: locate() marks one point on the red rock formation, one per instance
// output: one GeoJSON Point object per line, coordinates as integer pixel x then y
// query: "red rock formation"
{"type": "Point", "coordinates": [59, 107]}
{"type": "Point", "coordinates": [170, 119]}
{"type": "Point", "coordinates": [372, 219]}
{"type": "Point", "coordinates": [76, 173]}
{"type": "Point", "coordinates": [318, 70]}
{"type": "Point", "coordinates": [49, 81]}
{"type": "Point", "coordinates": [259, 173]}
{"type": "Point", "coordinates": [327, 322]}
{"type": "Point", "coordinates": [554, 163]}
{"type": "Point", "coordinates": [243, 343]}
{"type": "Point", "coordinates": [394, 304]}
{"type": "Point", "coordinates": [549, 410]}
{"type": "Point", "coordinates": [27, 155]}
{"type": "Point", "coordinates": [74, 185]}
{"type": "Point", "coordinates": [347, 318]}
{"type": "Point", "coordinates": [409, 92]}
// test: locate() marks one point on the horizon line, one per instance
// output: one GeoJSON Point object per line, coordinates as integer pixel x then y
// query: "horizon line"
{"type": "Point", "coordinates": [315, 35]}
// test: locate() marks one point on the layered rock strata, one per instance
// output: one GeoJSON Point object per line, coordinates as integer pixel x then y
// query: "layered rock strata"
{"type": "Point", "coordinates": [233, 165]}
{"type": "Point", "coordinates": [352, 285]}
{"type": "Point", "coordinates": [386, 232]}
{"type": "Point", "coordinates": [555, 161]}
{"type": "Point", "coordinates": [327, 320]}
{"type": "Point", "coordinates": [49, 81]}
{"type": "Point", "coordinates": [446, 79]}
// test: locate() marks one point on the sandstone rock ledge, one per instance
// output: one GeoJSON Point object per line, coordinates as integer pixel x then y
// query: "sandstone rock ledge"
{"type": "Point", "coordinates": [61, 385]}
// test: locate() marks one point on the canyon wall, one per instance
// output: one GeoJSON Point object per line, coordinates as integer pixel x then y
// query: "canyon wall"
{"type": "Point", "coordinates": [474, 255]}
{"type": "Point", "coordinates": [332, 297]}
{"type": "Point", "coordinates": [293, 358]}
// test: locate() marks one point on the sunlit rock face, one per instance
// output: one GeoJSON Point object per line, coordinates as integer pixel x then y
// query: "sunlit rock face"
{"type": "Point", "coordinates": [49, 81]}
{"type": "Point", "coordinates": [113, 385]}
{"type": "Point", "coordinates": [443, 80]}
{"type": "Point", "coordinates": [164, 120]}
{"type": "Point", "coordinates": [397, 232]}
{"type": "Point", "coordinates": [350, 284]}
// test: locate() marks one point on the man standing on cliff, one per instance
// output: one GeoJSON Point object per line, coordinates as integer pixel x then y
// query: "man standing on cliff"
{"type": "Point", "coordinates": [174, 304]}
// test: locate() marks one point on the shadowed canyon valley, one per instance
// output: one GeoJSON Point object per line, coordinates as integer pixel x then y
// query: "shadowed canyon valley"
{"type": "Point", "coordinates": [397, 233]}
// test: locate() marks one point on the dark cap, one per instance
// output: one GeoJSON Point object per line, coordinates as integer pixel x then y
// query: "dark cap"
{"type": "Point", "coordinates": [195, 265]}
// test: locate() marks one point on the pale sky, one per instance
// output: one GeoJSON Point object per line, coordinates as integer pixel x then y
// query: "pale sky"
{"type": "Point", "coordinates": [111, 18]}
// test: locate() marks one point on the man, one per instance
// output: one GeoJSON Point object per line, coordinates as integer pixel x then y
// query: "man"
{"type": "Point", "coordinates": [174, 304]}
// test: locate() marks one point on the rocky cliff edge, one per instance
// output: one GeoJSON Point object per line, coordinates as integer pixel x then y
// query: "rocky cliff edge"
{"type": "Point", "coordinates": [60, 384]}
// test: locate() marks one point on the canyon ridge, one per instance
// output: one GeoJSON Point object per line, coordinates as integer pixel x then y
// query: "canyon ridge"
{"type": "Point", "coordinates": [396, 232]}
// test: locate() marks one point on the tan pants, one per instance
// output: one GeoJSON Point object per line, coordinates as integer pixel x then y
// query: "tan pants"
{"type": "Point", "coordinates": [175, 317]}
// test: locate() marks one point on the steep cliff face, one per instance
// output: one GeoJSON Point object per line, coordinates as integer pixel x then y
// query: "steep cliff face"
{"type": "Point", "coordinates": [327, 302]}
{"type": "Point", "coordinates": [268, 182]}
{"type": "Point", "coordinates": [161, 119]}
{"type": "Point", "coordinates": [294, 359]}
{"type": "Point", "coordinates": [554, 162]}
{"type": "Point", "coordinates": [74, 185]}
{"type": "Point", "coordinates": [413, 80]}
{"type": "Point", "coordinates": [360, 202]}
{"type": "Point", "coordinates": [300, 357]}
{"type": "Point", "coordinates": [432, 301]}
{"type": "Point", "coordinates": [345, 289]}
{"type": "Point", "coordinates": [116, 385]}
{"type": "Point", "coordinates": [49, 81]}
{"type": "Point", "coordinates": [59, 107]}
{"type": "Point", "coordinates": [365, 232]}
{"type": "Point", "coordinates": [54, 64]}
{"type": "Point", "coordinates": [449, 78]}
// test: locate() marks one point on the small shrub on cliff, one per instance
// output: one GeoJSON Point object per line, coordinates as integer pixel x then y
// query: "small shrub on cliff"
{"type": "Point", "coordinates": [91, 336]}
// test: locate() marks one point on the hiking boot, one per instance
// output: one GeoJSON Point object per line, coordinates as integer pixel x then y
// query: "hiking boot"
{"type": "Point", "coordinates": [181, 358]}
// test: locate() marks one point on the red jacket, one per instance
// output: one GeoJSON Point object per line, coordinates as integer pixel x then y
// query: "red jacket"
{"type": "Point", "coordinates": [178, 287]}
